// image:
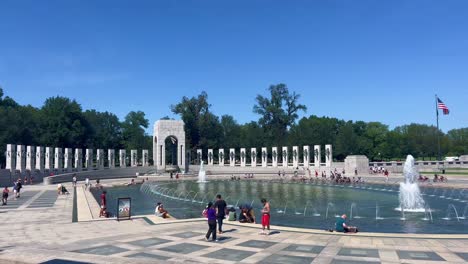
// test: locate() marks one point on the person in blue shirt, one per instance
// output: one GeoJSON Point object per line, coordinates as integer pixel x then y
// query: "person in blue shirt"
{"type": "Point", "coordinates": [341, 226]}
{"type": "Point", "coordinates": [211, 215]}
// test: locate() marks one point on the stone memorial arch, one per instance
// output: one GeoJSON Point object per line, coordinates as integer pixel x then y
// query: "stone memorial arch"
{"type": "Point", "coordinates": [164, 129]}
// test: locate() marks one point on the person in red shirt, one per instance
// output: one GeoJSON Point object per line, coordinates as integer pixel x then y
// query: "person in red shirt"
{"type": "Point", "coordinates": [5, 196]}
{"type": "Point", "coordinates": [103, 204]}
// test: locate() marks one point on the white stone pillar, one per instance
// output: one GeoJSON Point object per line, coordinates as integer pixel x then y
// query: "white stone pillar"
{"type": "Point", "coordinates": [328, 155]}
{"type": "Point", "coordinates": [285, 156]}
{"type": "Point", "coordinates": [264, 157]}
{"type": "Point", "coordinates": [232, 157]}
{"type": "Point", "coordinates": [133, 158]}
{"type": "Point", "coordinates": [199, 156]}
{"type": "Point", "coordinates": [30, 155]}
{"type": "Point", "coordinates": [49, 153]}
{"type": "Point", "coordinates": [144, 158]}
{"type": "Point", "coordinates": [40, 159]}
{"type": "Point", "coordinates": [20, 158]}
{"type": "Point", "coordinates": [317, 156]}
{"type": "Point", "coordinates": [78, 159]}
{"type": "Point", "coordinates": [295, 155]}
{"type": "Point", "coordinates": [111, 158]}
{"type": "Point", "coordinates": [306, 156]}
{"type": "Point", "coordinates": [243, 157]}
{"type": "Point", "coordinates": [67, 156]}
{"type": "Point", "coordinates": [253, 157]}
{"type": "Point", "coordinates": [221, 157]}
{"type": "Point", "coordinates": [89, 159]}
{"type": "Point", "coordinates": [11, 157]}
{"type": "Point", "coordinates": [58, 160]}
{"type": "Point", "coordinates": [274, 156]}
{"type": "Point", "coordinates": [100, 159]}
{"type": "Point", "coordinates": [122, 158]}
{"type": "Point", "coordinates": [210, 157]}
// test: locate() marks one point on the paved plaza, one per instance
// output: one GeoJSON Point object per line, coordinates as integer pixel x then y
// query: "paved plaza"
{"type": "Point", "coordinates": [38, 228]}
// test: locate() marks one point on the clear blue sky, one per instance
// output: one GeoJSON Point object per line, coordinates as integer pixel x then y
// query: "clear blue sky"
{"type": "Point", "coordinates": [359, 60]}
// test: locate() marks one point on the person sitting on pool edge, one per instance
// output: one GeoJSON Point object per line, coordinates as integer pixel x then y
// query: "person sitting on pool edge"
{"type": "Point", "coordinates": [341, 226]}
{"type": "Point", "coordinates": [246, 214]}
{"type": "Point", "coordinates": [160, 211]}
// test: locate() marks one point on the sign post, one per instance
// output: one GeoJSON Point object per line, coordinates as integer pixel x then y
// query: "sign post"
{"type": "Point", "coordinates": [124, 206]}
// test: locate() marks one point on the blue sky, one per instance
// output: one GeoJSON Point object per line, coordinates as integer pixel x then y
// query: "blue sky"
{"type": "Point", "coordinates": [359, 60]}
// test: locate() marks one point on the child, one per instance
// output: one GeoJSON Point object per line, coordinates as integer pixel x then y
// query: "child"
{"type": "Point", "coordinates": [5, 196]}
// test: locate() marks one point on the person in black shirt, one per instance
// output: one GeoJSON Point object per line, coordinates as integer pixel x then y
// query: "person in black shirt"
{"type": "Point", "coordinates": [220, 206]}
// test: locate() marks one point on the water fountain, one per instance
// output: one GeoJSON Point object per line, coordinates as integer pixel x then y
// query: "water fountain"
{"type": "Point", "coordinates": [377, 212]}
{"type": "Point", "coordinates": [451, 208]}
{"type": "Point", "coordinates": [410, 196]}
{"type": "Point", "coordinates": [201, 174]}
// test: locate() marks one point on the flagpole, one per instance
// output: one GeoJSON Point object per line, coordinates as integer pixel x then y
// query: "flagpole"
{"type": "Point", "coordinates": [438, 136]}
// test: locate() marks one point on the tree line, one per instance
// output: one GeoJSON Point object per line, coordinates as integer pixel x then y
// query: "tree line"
{"type": "Point", "coordinates": [61, 122]}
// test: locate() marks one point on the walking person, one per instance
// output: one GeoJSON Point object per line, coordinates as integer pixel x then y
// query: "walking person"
{"type": "Point", "coordinates": [265, 217]}
{"type": "Point", "coordinates": [15, 189]}
{"type": "Point", "coordinates": [220, 206]}
{"type": "Point", "coordinates": [211, 215]}
{"type": "Point", "coordinates": [19, 185]}
{"type": "Point", "coordinates": [86, 183]}
{"type": "Point", "coordinates": [74, 180]}
{"type": "Point", "coordinates": [5, 195]}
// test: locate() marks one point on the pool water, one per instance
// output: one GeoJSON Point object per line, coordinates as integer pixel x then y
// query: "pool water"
{"type": "Point", "coordinates": [309, 205]}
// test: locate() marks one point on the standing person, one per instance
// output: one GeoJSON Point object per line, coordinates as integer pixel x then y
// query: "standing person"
{"type": "Point", "coordinates": [103, 204]}
{"type": "Point", "coordinates": [5, 195]}
{"type": "Point", "coordinates": [220, 206]}
{"type": "Point", "coordinates": [211, 215]}
{"type": "Point", "coordinates": [86, 183]}
{"type": "Point", "coordinates": [265, 217]}
{"type": "Point", "coordinates": [74, 180]}
{"type": "Point", "coordinates": [386, 175]}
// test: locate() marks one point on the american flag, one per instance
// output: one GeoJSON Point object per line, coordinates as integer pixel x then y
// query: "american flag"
{"type": "Point", "coordinates": [441, 105]}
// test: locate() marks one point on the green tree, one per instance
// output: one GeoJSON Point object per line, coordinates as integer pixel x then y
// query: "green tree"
{"type": "Point", "coordinates": [105, 130]}
{"type": "Point", "coordinates": [193, 112]}
{"type": "Point", "coordinates": [62, 123]}
{"type": "Point", "coordinates": [133, 131]}
{"type": "Point", "coordinates": [278, 113]}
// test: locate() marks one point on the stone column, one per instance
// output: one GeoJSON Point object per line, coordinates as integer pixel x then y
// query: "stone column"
{"type": "Point", "coordinates": [232, 157]}
{"type": "Point", "coordinates": [133, 158]}
{"type": "Point", "coordinates": [285, 156]}
{"type": "Point", "coordinates": [20, 158]}
{"type": "Point", "coordinates": [100, 159]}
{"type": "Point", "coordinates": [264, 157]}
{"type": "Point", "coordinates": [221, 157]}
{"type": "Point", "coordinates": [49, 153]}
{"type": "Point", "coordinates": [11, 157]}
{"type": "Point", "coordinates": [111, 158]}
{"type": "Point", "coordinates": [243, 157]}
{"type": "Point", "coordinates": [210, 157]}
{"type": "Point", "coordinates": [78, 159]}
{"type": "Point", "coordinates": [40, 159]}
{"type": "Point", "coordinates": [199, 156]}
{"type": "Point", "coordinates": [295, 155]}
{"type": "Point", "coordinates": [89, 159]}
{"type": "Point", "coordinates": [306, 156]}
{"type": "Point", "coordinates": [67, 156]}
{"type": "Point", "coordinates": [328, 155]}
{"type": "Point", "coordinates": [58, 160]}
{"type": "Point", "coordinates": [30, 155]}
{"type": "Point", "coordinates": [317, 156]}
{"type": "Point", "coordinates": [144, 157]}
{"type": "Point", "coordinates": [122, 158]}
{"type": "Point", "coordinates": [253, 157]}
{"type": "Point", "coordinates": [274, 156]}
